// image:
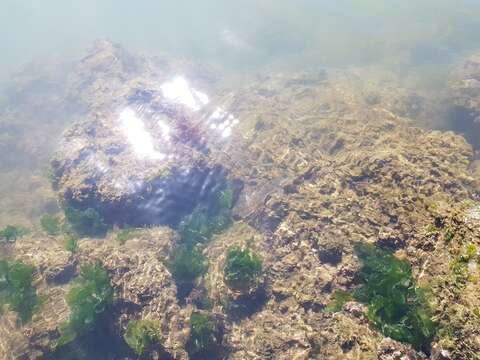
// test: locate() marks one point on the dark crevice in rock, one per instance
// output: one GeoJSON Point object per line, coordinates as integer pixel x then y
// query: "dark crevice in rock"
{"type": "Point", "coordinates": [463, 120]}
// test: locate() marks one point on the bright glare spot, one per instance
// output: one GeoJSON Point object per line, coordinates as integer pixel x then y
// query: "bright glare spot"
{"type": "Point", "coordinates": [179, 90]}
{"type": "Point", "coordinates": [222, 121]}
{"type": "Point", "coordinates": [165, 129]}
{"type": "Point", "coordinates": [227, 132]}
{"type": "Point", "coordinates": [139, 138]}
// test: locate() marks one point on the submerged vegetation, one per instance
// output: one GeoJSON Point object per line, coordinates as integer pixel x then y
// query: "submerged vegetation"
{"type": "Point", "coordinates": [209, 220]}
{"type": "Point", "coordinates": [85, 222]}
{"type": "Point", "coordinates": [396, 306]}
{"type": "Point", "coordinates": [71, 242]}
{"type": "Point", "coordinates": [242, 268]}
{"type": "Point", "coordinates": [461, 273]}
{"type": "Point", "coordinates": [339, 299]}
{"type": "Point", "coordinates": [124, 235]}
{"type": "Point", "coordinates": [186, 264]}
{"type": "Point", "coordinates": [10, 233]}
{"type": "Point", "coordinates": [141, 335]}
{"type": "Point", "coordinates": [16, 289]}
{"type": "Point", "coordinates": [50, 224]}
{"type": "Point", "coordinates": [202, 340]}
{"type": "Point", "coordinates": [88, 297]}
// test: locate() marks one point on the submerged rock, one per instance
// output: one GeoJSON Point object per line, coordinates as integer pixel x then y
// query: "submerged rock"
{"type": "Point", "coordinates": [141, 155]}
{"type": "Point", "coordinates": [464, 114]}
{"type": "Point", "coordinates": [323, 168]}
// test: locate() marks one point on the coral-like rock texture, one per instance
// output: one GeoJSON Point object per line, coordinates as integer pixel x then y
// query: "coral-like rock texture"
{"type": "Point", "coordinates": [140, 155]}
{"type": "Point", "coordinates": [322, 167]}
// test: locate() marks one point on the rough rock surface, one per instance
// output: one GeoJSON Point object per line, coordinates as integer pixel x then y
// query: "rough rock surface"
{"type": "Point", "coordinates": [347, 173]}
{"type": "Point", "coordinates": [323, 167]}
{"type": "Point", "coordinates": [144, 289]}
{"type": "Point", "coordinates": [465, 93]}
{"type": "Point", "coordinates": [55, 267]}
{"type": "Point", "coordinates": [140, 149]}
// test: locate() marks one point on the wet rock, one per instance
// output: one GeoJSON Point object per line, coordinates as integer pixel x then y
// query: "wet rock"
{"type": "Point", "coordinates": [54, 266]}
{"type": "Point", "coordinates": [14, 344]}
{"type": "Point", "coordinates": [140, 156]}
{"type": "Point", "coordinates": [144, 288]}
{"type": "Point", "coordinates": [49, 256]}
{"type": "Point", "coordinates": [355, 309]}
{"type": "Point", "coordinates": [440, 354]}
{"type": "Point", "coordinates": [464, 114]}
{"type": "Point", "coordinates": [323, 168]}
{"type": "Point", "coordinates": [376, 187]}
{"type": "Point", "coordinates": [393, 350]}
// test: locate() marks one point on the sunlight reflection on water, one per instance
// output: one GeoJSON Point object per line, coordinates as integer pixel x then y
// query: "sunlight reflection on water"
{"type": "Point", "coordinates": [138, 137]}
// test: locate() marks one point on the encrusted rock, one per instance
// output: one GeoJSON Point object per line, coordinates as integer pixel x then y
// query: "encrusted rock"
{"type": "Point", "coordinates": [393, 350]}
{"type": "Point", "coordinates": [142, 148]}
{"type": "Point", "coordinates": [465, 91]}
{"type": "Point", "coordinates": [325, 164]}
{"type": "Point", "coordinates": [144, 288]}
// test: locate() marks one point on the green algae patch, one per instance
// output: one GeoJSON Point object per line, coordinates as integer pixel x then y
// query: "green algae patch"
{"type": "Point", "coordinates": [124, 235]}
{"type": "Point", "coordinates": [339, 299]}
{"type": "Point", "coordinates": [89, 296]}
{"type": "Point", "coordinates": [460, 266]}
{"type": "Point", "coordinates": [10, 233]}
{"type": "Point", "coordinates": [142, 335]}
{"type": "Point", "coordinates": [86, 222]}
{"type": "Point", "coordinates": [71, 243]}
{"type": "Point", "coordinates": [202, 340]}
{"type": "Point", "coordinates": [396, 306]}
{"type": "Point", "coordinates": [186, 264]}
{"type": "Point", "coordinates": [201, 225]}
{"type": "Point", "coordinates": [16, 289]}
{"type": "Point", "coordinates": [242, 268]}
{"type": "Point", "coordinates": [207, 220]}
{"type": "Point", "coordinates": [51, 224]}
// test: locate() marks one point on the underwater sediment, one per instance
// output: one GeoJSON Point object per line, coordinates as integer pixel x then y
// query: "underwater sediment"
{"type": "Point", "coordinates": [318, 163]}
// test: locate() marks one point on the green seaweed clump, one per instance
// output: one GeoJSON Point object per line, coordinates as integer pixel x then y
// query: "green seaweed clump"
{"type": "Point", "coordinates": [200, 226]}
{"type": "Point", "coordinates": [16, 289]}
{"type": "Point", "coordinates": [71, 242]}
{"type": "Point", "coordinates": [202, 340]}
{"type": "Point", "coordinates": [50, 224]}
{"type": "Point", "coordinates": [225, 199]}
{"type": "Point", "coordinates": [339, 299]}
{"type": "Point", "coordinates": [186, 264]}
{"type": "Point", "coordinates": [141, 335]}
{"type": "Point", "coordinates": [10, 233]}
{"type": "Point", "coordinates": [461, 273]}
{"type": "Point", "coordinates": [124, 235]}
{"type": "Point", "coordinates": [85, 222]}
{"type": "Point", "coordinates": [88, 298]}
{"type": "Point", "coordinates": [207, 220]}
{"type": "Point", "coordinates": [396, 306]}
{"type": "Point", "coordinates": [242, 268]}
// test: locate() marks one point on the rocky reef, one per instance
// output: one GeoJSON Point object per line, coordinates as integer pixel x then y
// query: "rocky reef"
{"type": "Point", "coordinates": [142, 158]}
{"type": "Point", "coordinates": [319, 166]}
{"type": "Point", "coordinates": [465, 98]}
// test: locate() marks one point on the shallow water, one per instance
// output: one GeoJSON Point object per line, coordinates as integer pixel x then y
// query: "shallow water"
{"type": "Point", "coordinates": [255, 87]}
